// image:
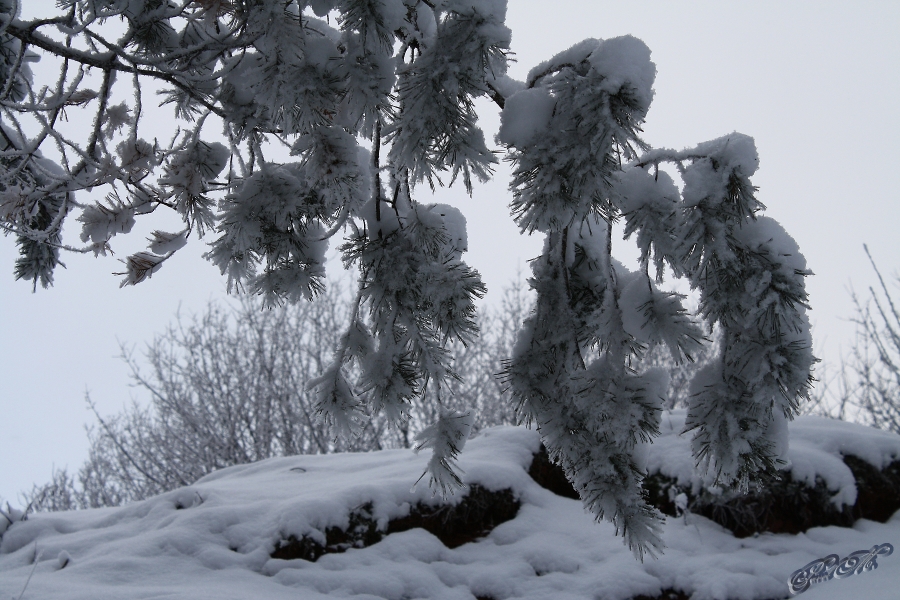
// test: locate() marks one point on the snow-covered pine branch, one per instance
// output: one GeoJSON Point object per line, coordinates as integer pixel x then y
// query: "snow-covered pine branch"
{"type": "Point", "coordinates": [295, 121]}
{"type": "Point", "coordinates": [575, 371]}
{"type": "Point", "coordinates": [750, 274]}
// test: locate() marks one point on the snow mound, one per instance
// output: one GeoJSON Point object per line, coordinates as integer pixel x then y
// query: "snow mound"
{"type": "Point", "coordinates": [215, 539]}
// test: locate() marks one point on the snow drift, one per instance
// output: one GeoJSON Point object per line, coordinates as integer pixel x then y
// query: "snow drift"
{"type": "Point", "coordinates": [229, 535]}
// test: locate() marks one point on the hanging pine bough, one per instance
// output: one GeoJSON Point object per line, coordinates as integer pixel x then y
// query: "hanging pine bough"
{"type": "Point", "coordinates": [324, 81]}
{"type": "Point", "coordinates": [572, 131]}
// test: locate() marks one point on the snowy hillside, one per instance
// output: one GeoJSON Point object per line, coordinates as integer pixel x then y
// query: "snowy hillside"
{"type": "Point", "coordinates": [233, 534]}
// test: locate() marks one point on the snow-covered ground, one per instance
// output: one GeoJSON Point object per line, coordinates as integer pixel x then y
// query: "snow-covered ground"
{"type": "Point", "coordinates": [214, 539]}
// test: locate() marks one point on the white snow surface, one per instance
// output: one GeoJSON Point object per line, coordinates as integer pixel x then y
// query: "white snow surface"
{"type": "Point", "coordinates": [625, 60]}
{"type": "Point", "coordinates": [572, 56]}
{"type": "Point", "coordinates": [217, 544]}
{"type": "Point", "coordinates": [704, 181]}
{"type": "Point", "coordinates": [525, 116]}
{"type": "Point", "coordinates": [451, 219]}
{"type": "Point", "coordinates": [766, 232]}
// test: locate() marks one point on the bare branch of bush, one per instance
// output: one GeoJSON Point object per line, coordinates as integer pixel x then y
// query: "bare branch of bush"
{"type": "Point", "coordinates": [866, 387]}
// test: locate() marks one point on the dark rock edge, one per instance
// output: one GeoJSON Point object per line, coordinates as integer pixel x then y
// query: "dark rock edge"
{"type": "Point", "coordinates": [781, 505]}
{"type": "Point", "coordinates": [473, 517]}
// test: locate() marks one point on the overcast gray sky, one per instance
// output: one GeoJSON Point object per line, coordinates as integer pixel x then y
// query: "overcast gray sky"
{"type": "Point", "coordinates": [815, 83]}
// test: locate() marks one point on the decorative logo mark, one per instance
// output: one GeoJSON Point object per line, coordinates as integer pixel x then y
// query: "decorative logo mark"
{"type": "Point", "coordinates": [824, 569]}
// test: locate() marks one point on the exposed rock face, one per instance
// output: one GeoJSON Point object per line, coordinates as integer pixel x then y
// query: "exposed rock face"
{"type": "Point", "coordinates": [669, 594]}
{"type": "Point", "coordinates": [363, 531]}
{"type": "Point", "coordinates": [474, 517]}
{"type": "Point", "coordinates": [476, 514]}
{"type": "Point", "coordinates": [780, 506]}
{"type": "Point", "coordinates": [550, 476]}
{"type": "Point", "coordinates": [666, 595]}
{"type": "Point", "coordinates": [877, 492]}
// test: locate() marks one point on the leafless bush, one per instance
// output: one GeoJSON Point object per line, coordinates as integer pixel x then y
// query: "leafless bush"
{"type": "Point", "coordinates": [228, 387]}
{"type": "Point", "coordinates": [866, 387]}
{"type": "Point", "coordinates": [875, 358]}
